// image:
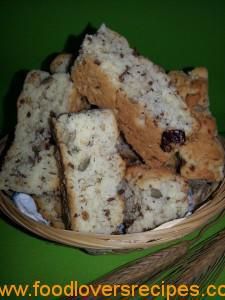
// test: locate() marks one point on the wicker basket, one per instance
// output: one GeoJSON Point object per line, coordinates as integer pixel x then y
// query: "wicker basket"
{"type": "Point", "coordinates": [100, 243]}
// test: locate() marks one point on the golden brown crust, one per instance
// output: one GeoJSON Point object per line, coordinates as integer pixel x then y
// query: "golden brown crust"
{"type": "Point", "coordinates": [192, 87]}
{"type": "Point", "coordinates": [137, 131]}
{"type": "Point", "coordinates": [207, 124]}
{"type": "Point", "coordinates": [204, 159]}
{"type": "Point", "coordinates": [91, 81]}
{"type": "Point", "coordinates": [203, 154]}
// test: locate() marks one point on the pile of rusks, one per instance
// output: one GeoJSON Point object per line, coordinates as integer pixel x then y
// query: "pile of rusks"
{"type": "Point", "coordinates": [111, 143]}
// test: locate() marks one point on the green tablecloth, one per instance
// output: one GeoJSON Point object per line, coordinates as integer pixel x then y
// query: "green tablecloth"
{"type": "Point", "coordinates": [175, 34]}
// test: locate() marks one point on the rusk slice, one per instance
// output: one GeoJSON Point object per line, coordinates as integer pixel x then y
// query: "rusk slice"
{"type": "Point", "coordinates": [153, 197]}
{"type": "Point", "coordinates": [152, 116]}
{"type": "Point", "coordinates": [29, 165]}
{"type": "Point", "coordinates": [203, 156]}
{"type": "Point", "coordinates": [91, 170]}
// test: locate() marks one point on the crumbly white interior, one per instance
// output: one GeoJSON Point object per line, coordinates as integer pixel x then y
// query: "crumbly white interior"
{"type": "Point", "coordinates": [30, 165]}
{"type": "Point", "coordinates": [153, 202]}
{"type": "Point", "coordinates": [94, 170]}
{"type": "Point", "coordinates": [144, 82]}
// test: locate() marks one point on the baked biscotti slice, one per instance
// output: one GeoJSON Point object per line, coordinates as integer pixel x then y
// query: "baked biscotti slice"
{"type": "Point", "coordinates": [152, 116]}
{"type": "Point", "coordinates": [203, 156]}
{"type": "Point", "coordinates": [91, 170]}
{"type": "Point", "coordinates": [49, 206]}
{"type": "Point", "coordinates": [153, 197]}
{"type": "Point", "coordinates": [29, 165]}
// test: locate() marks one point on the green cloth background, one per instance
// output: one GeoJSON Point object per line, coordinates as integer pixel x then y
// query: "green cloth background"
{"type": "Point", "coordinates": [175, 34]}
